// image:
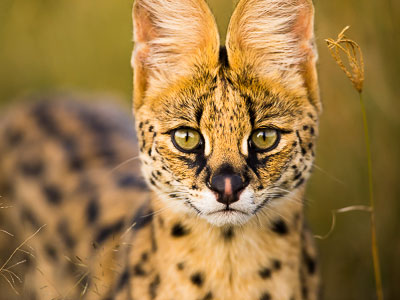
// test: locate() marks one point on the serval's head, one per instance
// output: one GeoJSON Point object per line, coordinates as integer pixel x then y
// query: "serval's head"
{"type": "Point", "coordinates": [225, 132]}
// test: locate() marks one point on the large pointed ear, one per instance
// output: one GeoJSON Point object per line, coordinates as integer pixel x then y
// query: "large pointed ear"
{"type": "Point", "coordinates": [172, 38]}
{"type": "Point", "coordinates": [275, 38]}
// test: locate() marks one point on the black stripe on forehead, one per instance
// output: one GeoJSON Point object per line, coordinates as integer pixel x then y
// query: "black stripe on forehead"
{"type": "Point", "coordinates": [250, 109]}
{"type": "Point", "coordinates": [199, 113]}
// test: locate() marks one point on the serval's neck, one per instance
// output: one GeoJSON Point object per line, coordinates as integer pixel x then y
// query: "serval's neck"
{"type": "Point", "coordinates": [229, 261]}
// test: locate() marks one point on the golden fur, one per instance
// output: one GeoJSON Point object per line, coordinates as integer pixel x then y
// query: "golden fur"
{"type": "Point", "coordinates": [177, 241]}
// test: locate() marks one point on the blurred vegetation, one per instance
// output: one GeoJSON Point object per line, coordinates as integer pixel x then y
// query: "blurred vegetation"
{"type": "Point", "coordinates": [48, 45]}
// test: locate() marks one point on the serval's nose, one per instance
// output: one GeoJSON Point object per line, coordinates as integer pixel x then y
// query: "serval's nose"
{"type": "Point", "coordinates": [228, 187]}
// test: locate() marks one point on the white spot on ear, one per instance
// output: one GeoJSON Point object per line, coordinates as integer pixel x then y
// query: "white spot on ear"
{"type": "Point", "coordinates": [207, 146]}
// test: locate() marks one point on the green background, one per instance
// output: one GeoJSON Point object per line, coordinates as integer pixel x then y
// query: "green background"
{"type": "Point", "coordinates": [85, 46]}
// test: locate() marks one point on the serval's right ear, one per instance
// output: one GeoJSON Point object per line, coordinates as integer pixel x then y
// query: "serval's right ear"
{"type": "Point", "coordinates": [172, 38]}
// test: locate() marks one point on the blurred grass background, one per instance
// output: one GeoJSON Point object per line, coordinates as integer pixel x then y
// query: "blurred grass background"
{"type": "Point", "coordinates": [48, 45]}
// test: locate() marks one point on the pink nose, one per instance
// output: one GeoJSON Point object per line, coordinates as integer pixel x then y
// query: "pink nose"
{"type": "Point", "coordinates": [227, 187]}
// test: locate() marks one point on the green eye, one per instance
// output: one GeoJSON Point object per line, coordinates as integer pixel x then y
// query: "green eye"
{"type": "Point", "coordinates": [265, 139]}
{"type": "Point", "coordinates": [186, 139]}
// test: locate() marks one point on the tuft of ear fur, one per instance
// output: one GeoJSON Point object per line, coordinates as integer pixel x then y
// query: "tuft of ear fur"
{"type": "Point", "coordinates": [171, 37]}
{"type": "Point", "coordinates": [275, 38]}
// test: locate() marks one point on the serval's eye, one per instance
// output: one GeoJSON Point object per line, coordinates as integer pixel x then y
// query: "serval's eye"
{"type": "Point", "coordinates": [264, 139]}
{"type": "Point", "coordinates": [186, 139]}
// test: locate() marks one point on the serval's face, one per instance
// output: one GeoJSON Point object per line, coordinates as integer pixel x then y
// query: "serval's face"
{"type": "Point", "coordinates": [229, 134]}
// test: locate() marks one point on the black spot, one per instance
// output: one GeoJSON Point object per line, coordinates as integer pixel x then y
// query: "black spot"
{"type": "Point", "coordinates": [154, 245]}
{"type": "Point", "coordinates": [63, 230]}
{"type": "Point", "coordinates": [145, 256]}
{"type": "Point", "coordinates": [197, 279]}
{"type": "Point", "coordinates": [51, 252]}
{"type": "Point", "coordinates": [14, 136]}
{"type": "Point", "coordinates": [31, 168]}
{"type": "Point", "coordinates": [153, 287]}
{"type": "Point", "coordinates": [53, 194]}
{"type": "Point", "coordinates": [75, 162]}
{"type": "Point", "coordinates": [123, 280]}
{"type": "Point", "coordinates": [140, 125]}
{"type": "Point", "coordinates": [161, 221]}
{"type": "Point", "coordinates": [265, 296]}
{"type": "Point", "coordinates": [297, 176]}
{"type": "Point", "coordinates": [305, 127]}
{"type": "Point", "coordinates": [142, 217]}
{"type": "Point", "coordinates": [106, 152]}
{"type": "Point", "coordinates": [208, 296]}
{"type": "Point", "coordinates": [108, 231]}
{"type": "Point", "coordinates": [310, 145]}
{"type": "Point", "coordinates": [265, 273]}
{"type": "Point", "coordinates": [27, 214]}
{"type": "Point", "coordinates": [45, 120]}
{"type": "Point", "coordinates": [223, 57]}
{"type": "Point", "coordinates": [178, 230]}
{"type": "Point", "coordinates": [303, 151]}
{"type": "Point", "coordinates": [130, 181]}
{"type": "Point", "coordinates": [310, 263]}
{"type": "Point", "coordinates": [300, 182]}
{"type": "Point", "coordinates": [151, 128]}
{"type": "Point", "coordinates": [228, 233]}
{"type": "Point", "coordinates": [312, 130]}
{"type": "Point", "coordinates": [180, 266]}
{"type": "Point", "coordinates": [92, 211]}
{"type": "Point", "coordinates": [304, 292]}
{"type": "Point", "coordinates": [276, 264]}
{"type": "Point", "coordinates": [279, 226]}
{"type": "Point", "coordinates": [138, 270]}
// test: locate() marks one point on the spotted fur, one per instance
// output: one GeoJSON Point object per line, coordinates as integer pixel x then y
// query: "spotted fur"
{"type": "Point", "coordinates": [108, 236]}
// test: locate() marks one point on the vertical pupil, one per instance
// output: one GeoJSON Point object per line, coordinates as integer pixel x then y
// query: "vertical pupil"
{"type": "Point", "coordinates": [187, 136]}
{"type": "Point", "coordinates": [264, 136]}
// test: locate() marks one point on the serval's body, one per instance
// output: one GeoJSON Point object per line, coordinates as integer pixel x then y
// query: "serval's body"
{"type": "Point", "coordinates": [226, 138]}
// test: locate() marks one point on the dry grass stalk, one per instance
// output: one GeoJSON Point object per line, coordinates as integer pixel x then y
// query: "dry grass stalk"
{"type": "Point", "coordinates": [5, 270]}
{"type": "Point", "coordinates": [340, 211]}
{"type": "Point", "coordinates": [356, 75]}
{"type": "Point", "coordinates": [354, 57]}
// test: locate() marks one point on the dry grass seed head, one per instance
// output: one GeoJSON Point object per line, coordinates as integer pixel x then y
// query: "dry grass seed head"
{"type": "Point", "coordinates": [354, 58]}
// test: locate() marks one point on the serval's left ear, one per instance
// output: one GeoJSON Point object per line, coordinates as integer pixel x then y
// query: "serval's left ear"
{"type": "Point", "coordinates": [275, 38]}
{"type": "Point", "coordinates": [173, 39]}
